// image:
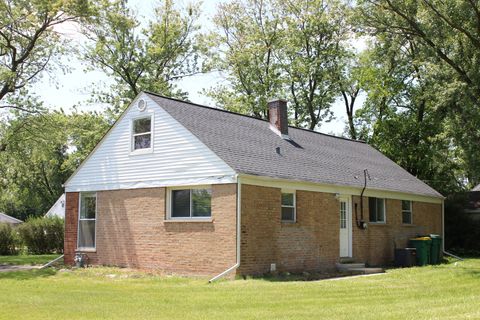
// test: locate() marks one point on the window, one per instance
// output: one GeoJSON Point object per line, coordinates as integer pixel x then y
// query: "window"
{"type": "Point", "coordinates": [87, 220]}
{"type": "Point", "coordinates": [343, 215]}
{"type": "Point", "coordinates": [142, 133]}
{"type": "Point", "coordinates": [191, 203]}
{"type": "Point", "coordinates": [406, 212]}
{"type": "Point", "coordinates": [288, 207]}
{"type": "Point", "coordinates": [377, 209]}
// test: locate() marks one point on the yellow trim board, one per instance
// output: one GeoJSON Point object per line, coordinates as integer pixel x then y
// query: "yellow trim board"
{"type": "Point", "coordinates": [342, 190]}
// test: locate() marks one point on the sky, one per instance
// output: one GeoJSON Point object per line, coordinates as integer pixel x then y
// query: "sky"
{"type": "Point", "coordinates": [72, 89]}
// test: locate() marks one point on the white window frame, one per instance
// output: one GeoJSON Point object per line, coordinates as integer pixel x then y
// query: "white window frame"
{"type": "Point", "coordinates": [93, 194]}
{"type": "Point", "coordinates": [133, 134]}
{"type": "Point", "coordinates": [384, 211]}
{"type": "Point", "coordinates": [170, 203]}
{"type": "Point", "coordinates": [285, 206]}
{"type": "Point", "coordinates": [410, 210]}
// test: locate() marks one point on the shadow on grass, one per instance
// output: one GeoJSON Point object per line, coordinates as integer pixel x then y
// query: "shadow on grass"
{"type": "Point", "coordinates": [28, 274]}
{"type": "Point", "coordinates": [296, 277]}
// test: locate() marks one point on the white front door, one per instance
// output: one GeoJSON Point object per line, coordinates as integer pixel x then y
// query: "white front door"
{"type": "Point", "coordinates": [345, 215]}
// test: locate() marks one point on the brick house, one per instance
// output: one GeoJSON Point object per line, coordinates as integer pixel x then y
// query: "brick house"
{"type": "Point", "coordinates": [194, 190]}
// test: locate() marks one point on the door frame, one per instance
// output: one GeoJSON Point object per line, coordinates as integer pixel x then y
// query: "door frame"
{"type": "Point", "coordinates": [348, 200]}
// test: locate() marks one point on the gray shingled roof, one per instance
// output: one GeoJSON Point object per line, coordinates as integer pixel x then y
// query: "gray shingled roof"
{"type": "Point", "coordinates": [4, 218]}
{"type": "Point", "coordinates": [477, 188]}
{"type": "Point", "coordinates": [248, 145]}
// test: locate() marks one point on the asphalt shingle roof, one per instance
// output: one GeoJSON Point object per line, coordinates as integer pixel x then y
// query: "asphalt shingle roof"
{"type": "Point", "coordinates": [4, 218]}
{"type": "Point", "coordinates": [249, 146]}
{"type": "Point", "coordinates": [477, 188]}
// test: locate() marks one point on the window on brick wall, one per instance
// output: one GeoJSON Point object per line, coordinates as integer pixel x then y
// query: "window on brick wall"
{"type": "Point", "coordinates": [376, 207]}
{"type": "Point", "coordinates": [191, 203]}
{"type": "Point", "coordinates": [87, 219]}
{"type": "Point", "coordinates": [406, 212]}
{"type": "Point", "coordinates": [288, 207]}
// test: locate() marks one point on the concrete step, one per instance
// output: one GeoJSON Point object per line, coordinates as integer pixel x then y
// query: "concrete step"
{"type": "Point", "coordinates": [346, 260]}
{"type": "Point", "coordinates": [367, 270]}
{"type": "Point", "coordinates": [349, 266]}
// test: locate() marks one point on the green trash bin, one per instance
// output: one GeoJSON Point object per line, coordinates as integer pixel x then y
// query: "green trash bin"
{"type": "Point", "coordinates": [423, 246]}
{"type": "Point", "coordinates": [435, 254]}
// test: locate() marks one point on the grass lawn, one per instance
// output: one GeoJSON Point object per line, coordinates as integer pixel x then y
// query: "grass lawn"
{"type": "Point", "coordinates": [449, 291]}
{"type": "Point", "coordinates": [26, 259]}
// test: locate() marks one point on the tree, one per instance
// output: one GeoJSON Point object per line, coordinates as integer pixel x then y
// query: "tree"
{"type": "Point", "coordinates": [447, 33]}
{"type": "Point", "coordinates": [270, 48]}
{"type": "Point", "coordinates": [44, 151]}
{"type": "Point", "coordinates": [400, 115]}
{"type": "Point", "coordinates": [29, 41]}
{"type": "Point", "coordinates": [313, 42]}
{"type": "Point", "coordinates": [140, 57]}
{"type": "Point", "coordinates": [244, 47]}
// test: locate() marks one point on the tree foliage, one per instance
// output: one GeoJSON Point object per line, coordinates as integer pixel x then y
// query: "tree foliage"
{"type": "Point", "coordinates": [29, 40]}
{"type": "Point", "coordinates": [425, 87]}
{"type": "Point", "coordinates": [141, 56]}
{"type": "Point", "coordinates": [269, 48]}
{"type": "Point", "coordinates": [45, 151]}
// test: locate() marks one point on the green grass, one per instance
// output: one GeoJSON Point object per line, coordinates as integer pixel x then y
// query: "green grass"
{"type": "Point", "coordinates": [26, 259]}
{"type": "Point", "coordinates": [448, 291]}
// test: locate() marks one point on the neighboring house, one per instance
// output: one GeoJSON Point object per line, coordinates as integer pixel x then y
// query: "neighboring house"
{"type": "Point", "coordinates": [473, 204]}
{"type": "Point", "coordinates": [189, 189]}
{"type": "Point", "coordinates": [58, 208]}
{"type": "Point", "coordinates": [4, 218]}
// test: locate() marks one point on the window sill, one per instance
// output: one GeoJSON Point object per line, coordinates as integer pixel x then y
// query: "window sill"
{"type": "Point", "coordinates": [209, 220]}
{"type": "Point", "coordinates": [141, 151]}
{"type": "Point", "coordinates": [288, 222]}
{"type": "Point", "coordinates": [377, 223]}
{"type": "Point", "coordinates": [86, 250]}
{"type": "Point", "coordinates": [408, 225]}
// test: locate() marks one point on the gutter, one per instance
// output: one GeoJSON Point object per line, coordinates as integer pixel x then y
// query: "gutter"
{"type": "Point", "coordinates": [239, 207]}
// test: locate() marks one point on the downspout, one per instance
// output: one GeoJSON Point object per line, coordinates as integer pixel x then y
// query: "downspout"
{"type": "Point", "coordinates": [239, 207]}
{"type": "Point", "coordinates": [361, 223]}
{"type": "Point", "coordinates": [443, 234]}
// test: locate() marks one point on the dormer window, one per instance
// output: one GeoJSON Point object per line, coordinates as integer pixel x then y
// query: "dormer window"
{"type": "Point", "coordinates": [142, 133]}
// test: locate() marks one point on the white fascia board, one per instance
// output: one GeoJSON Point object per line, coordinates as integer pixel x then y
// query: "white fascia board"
{"type": "Point", "coordinates": [342, 190]}
{"type": "Point", "coordinates": [152, 184]}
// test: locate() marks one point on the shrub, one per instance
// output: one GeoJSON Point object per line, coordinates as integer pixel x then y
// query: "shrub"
{"type": "Point", "coordinates": [42, 235]}
{"type": "Point", "coordinates": [8, 240]}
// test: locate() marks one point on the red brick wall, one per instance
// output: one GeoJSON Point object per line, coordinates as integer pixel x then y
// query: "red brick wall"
{"type": "Point", "coordinates": [132, 231]}
{"type": "Point", "coordinates": [312, 243]}
{"type": "Point", "coordinates": [71, 224]}
{"type": "Point", "coordinates": [309, 244]}
{"type": "Point", "coordinates": [376, 244]}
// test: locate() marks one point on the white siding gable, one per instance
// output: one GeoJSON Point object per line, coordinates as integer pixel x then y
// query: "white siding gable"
{"type": "Point", "coordinates": [177, 157]}
{"type": "Point", "coordinates": [58, 209]}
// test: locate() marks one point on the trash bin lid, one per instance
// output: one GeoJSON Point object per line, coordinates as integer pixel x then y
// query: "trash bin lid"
{"type": "Point", "coordinates": [422, 238]}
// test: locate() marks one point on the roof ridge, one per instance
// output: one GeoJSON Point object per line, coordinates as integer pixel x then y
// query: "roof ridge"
{"type": "Point", "coordinates": [248, 116]}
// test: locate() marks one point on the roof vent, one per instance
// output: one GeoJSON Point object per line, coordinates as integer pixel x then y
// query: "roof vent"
{"type": "Point", "coordinates": [141, 105]}
{"type": "Point", "coordinates": [277, 116]}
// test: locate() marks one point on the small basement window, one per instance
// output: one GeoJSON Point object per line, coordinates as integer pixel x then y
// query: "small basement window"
{"type": "Point", "coordinates": [288, 207]}
{"type": "Point", "coordinates": [406, 212]}
{"type": "Point", "coordinates": [87, 220]}
{"type": "Point", "coordinates": [191, 203]}
{"type": "Point", "coordinates": [142, 133]}
{"type": "Point", "coordinates": [377, 209]}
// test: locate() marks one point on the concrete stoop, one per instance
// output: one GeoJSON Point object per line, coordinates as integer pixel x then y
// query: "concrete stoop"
{"type": "Point", "coordinates": [357, 268]}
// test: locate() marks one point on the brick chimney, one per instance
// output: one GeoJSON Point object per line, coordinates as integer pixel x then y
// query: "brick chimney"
{"type": "Point", "coordinates": [277, 115]}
